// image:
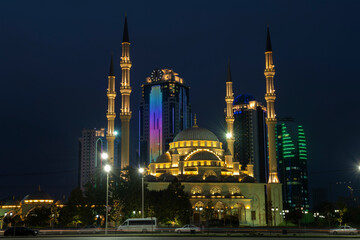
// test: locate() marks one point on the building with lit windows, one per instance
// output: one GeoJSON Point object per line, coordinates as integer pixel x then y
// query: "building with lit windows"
{"type": "Point", "coordinates": [292, 162]}
{"type": "Point", "coordinates": [196, 158]}
{"type": "Point", "coordinates": [91, 144]}
{"type": "Point", "coordinates": [250, 134]}
{"type": "Point", "coordinates": [212, 174]}
{"type": "Point", "coordinates": [164, 111]}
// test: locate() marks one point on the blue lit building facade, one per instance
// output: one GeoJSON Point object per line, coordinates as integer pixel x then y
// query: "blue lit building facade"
{"type": "Point", "coordinates": [292, 164]}
{"type": "Point", "coordinates": [165, 110]}
{"type": "Point", "coordinates": [250, 135]}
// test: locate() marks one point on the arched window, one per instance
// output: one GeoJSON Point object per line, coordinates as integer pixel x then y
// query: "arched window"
{"type": "Point", "coordinates": [209, 173]}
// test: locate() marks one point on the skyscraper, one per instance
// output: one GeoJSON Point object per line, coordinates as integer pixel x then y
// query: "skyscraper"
{"type": "Point", "coordinates": [250, 134]}
{"type": "Point", "coordinates": [292, 163]}
{"type": "Point", "coordinates": [164, 111]}
{"type": "Point", "coordinates": [91, 144]}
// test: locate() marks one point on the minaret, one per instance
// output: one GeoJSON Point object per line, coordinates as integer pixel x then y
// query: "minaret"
{"type": "Point", "coordinates": [110, 115]}
{"type": "Point", "coordinates": [229, 99]}
{"type": "Point", "coordinates": [125, 90]}
{"type": "Point", "coordinates": [270, 97]}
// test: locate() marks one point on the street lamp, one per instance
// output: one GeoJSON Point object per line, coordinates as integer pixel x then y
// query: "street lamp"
{"type": "Point", "coordinates": [274, 210]}
{"type": "Point", "coordinates": [104, 156]}
{"type": "Point", "coordinates": [107, 169]}
{"type": "Point", "coordinates": [228, 135]}
{"type": "Point", "coordinates": [141, 171]}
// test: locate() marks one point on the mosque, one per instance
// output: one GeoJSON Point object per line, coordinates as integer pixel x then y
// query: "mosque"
{"type": "Point", "coordinates": [197, 158]}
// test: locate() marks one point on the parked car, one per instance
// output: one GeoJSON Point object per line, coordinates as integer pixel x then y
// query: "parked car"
{"type": "Point", "coordinates": [138, 225]}
{"type": "Point", "coordinates": [344, 230]}
{"type": "Point", "coordinates": [89, 229]}
{"type": "Point", "coordinates": [188, 229]}
{"type": "Point", "coordinates": [20, 231]}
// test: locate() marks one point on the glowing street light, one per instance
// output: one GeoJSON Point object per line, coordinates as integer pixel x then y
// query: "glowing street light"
{"type": "Point", "coordinates": [228, 135]}
{"type": "Point", "coordinates": [141, 171]}
{"type": "Point", "coordinates": [104, 156]}
{"type": "Point", "coordinates": [116, 133]}
{"type": "Point", "coordinates": [107, 169]}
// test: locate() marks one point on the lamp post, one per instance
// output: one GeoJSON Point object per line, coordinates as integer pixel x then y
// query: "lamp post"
{"type": "Point", "coordinates": [274, 210]}
{"type": "Point", "coordinates": [107, 169]}
{"type": "Point", "coordinates": [141, 171]}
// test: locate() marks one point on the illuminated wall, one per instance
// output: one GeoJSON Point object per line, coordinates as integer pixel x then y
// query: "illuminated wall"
{"type": "Point", "coordinates": [155, 123]}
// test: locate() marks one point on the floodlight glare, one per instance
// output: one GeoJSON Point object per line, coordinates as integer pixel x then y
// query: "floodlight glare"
{"type": "Point", "coordinates": [107, 168]}
{"type": "Point", "coordinates": [141, 170]}
{"type": "Point", "coordinates": [104, 155]}
{"type": "Point", "coordinates": [228, 135]}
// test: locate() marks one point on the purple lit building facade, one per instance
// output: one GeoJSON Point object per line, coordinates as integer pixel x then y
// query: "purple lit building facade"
{"type": "Point", "coordinates": [164, 111]}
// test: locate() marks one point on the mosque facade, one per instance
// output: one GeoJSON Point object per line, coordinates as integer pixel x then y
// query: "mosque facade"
{"type": "Point", "coordinates": [214, 178]}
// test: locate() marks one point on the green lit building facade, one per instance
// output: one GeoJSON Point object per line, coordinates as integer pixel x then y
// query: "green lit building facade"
{"type": "Point", "coordinates": [292, 164]}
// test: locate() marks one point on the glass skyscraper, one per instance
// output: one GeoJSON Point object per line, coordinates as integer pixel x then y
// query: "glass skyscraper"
{"type": "Point", "coordinates": [164, 111]}
{"type": "Point", "coordinates": [250, 134]}
{"type": "Point", "coordinates": [292, 163]}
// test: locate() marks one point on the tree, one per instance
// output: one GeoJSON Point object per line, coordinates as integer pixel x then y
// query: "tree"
{"type": "Point", "coordinates": [38, 217]}
{"type": "Point", "coordinates": [77, 211]}
{"type": "Point", "coordinates": [172, 205]}
{"type": "Point", "coordinates": [208, 212]}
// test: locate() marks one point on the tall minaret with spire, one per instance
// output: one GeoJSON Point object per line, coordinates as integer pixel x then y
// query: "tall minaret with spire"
{"type": "Point", "coordinates": [229, 99]}
{"type": "Point", "coordinates": [270, 97]}
{"type": "Point", "coordinates": [110, 115]}
{"type": "Point", "coordinates": [125, 90]}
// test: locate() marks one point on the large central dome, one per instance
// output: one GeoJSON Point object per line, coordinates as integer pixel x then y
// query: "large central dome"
{"type": "Point", "coordinates": [195, 133]}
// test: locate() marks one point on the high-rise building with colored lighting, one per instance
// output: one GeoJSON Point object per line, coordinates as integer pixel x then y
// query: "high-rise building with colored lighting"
{"type": "Point", "coordinates": [292, 163]}
{"type": "Point", "coordinates": [250, 135]}
{"type": "Point", "coordinates": [164, 111]}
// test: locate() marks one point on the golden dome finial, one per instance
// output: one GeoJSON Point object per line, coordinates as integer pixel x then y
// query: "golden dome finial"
{"type": "Point", "coordinates": [195, 121]}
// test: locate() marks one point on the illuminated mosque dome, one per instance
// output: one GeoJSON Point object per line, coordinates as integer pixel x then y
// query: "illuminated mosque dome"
{"type": "Point", "coordinates": [204, 155]}
{"type": "Point", "coordinates": [196, 133]}
{"type": "Point", "coordinates": [243, 99]}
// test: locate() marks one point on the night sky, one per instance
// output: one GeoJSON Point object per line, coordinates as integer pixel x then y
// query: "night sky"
{"type": "Point", "coordinates": [55, 55]}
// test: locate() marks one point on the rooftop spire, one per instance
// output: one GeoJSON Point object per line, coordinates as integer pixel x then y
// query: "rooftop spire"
{"type": "Point", "coordinates": [228, 78]}
{"type": "Point", "coordinates": [268, 41]}
{"type": "Point", "coordinates": [126, 32]}
{"type": "Point", "coordinates": [111, 71]}
{"type": "Point", "coordinates": [195, 121]}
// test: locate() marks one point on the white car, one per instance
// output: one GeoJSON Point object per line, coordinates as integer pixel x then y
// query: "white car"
{"type": "Point", "coordinates": [344, 230]}
{"type": "Point", "coordinates": [188, 229]}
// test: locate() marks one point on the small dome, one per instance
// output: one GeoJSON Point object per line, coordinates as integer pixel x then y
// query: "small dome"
{"type": "Point", "coordinates": [163, 158]}
{"type": "Point", "coordinates": [243, 99]}
{"type": "Point", "coordinates": [211, 178]}
{"type": "Point", "coordinates": [203, 155]}
{"type": "Point", "coordinates": [166, 177]}
{"type": "Point", "coordinates": [39, 195]}
{"type": "Point", "coordinates": [194, 178]}
{"type": "Point", "coordinates": [150, 178]}
{"type": "Point", "coordinates": [231, 179]}
{"type": "Point", "coordinates": [195, 133]}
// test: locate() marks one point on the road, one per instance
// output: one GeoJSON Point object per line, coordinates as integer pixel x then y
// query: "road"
{"type": "Point", "coordinates": [176, 237]}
